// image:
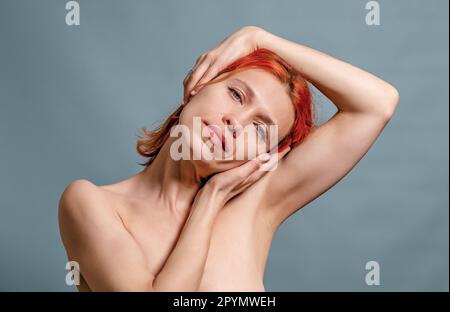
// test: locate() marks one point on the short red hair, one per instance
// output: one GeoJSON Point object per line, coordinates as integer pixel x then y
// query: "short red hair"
{"type": "Point", "coordinates": [150, 142]}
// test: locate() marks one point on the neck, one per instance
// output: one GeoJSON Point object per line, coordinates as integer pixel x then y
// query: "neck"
{"type": "Point", "coordinates": [174, 182]}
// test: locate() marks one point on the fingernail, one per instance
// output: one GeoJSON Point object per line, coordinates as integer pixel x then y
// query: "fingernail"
{"type": "Point", "coordinates": [264, 157]}
{"type": "Point", "coordinates": [193, 92]}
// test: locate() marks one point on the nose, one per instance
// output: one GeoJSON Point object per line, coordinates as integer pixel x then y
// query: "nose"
{"type": "Point", "coordinates": [232, 124]}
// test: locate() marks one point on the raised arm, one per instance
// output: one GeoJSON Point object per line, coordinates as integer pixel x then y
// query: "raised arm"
{"type": "Point", "coordinates": [365, 104]}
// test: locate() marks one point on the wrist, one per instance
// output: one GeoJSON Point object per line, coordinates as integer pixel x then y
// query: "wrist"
{"type": "Point", "coordinates": [213, 194]}
{"type": "Point", "coordinates": [263, 38]}
{"type": "Point", "coordinates": [209, 200]}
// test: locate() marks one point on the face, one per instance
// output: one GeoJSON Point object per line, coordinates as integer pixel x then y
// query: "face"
{"type": "Point", "coordinates": [237, 119]}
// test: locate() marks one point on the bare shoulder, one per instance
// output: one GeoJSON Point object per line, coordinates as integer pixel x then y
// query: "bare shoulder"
{"type": "Point", "coordinates": [79, 187]}
{"type": "Point", "coordinates": [93, 235]}
{"type": "Point", "coordinates": [82, 196]}
{"type": "Point", "coordinates": [83, 208]}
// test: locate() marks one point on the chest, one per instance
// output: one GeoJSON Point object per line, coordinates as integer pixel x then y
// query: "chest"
{"type": "Point", "coordinates": [238, 250]}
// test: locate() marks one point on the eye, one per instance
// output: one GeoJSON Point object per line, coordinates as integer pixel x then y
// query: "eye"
{"type": "Point", "coordinates": [236, 94]}
{"type": "Point", "coordinates": [261, 131]}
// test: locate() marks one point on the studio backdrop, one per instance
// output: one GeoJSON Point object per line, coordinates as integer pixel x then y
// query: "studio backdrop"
{"type": "Point", "coordinates": [74, 94]}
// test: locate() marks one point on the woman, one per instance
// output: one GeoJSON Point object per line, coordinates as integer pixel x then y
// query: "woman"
{"type": "Point", "coordinates": [207, 225]}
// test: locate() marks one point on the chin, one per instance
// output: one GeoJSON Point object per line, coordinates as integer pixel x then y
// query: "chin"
{"type": "Point", "coordinates": [208, 167]}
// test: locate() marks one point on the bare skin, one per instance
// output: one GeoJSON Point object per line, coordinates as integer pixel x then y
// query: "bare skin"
{"type": "Point", "coordinates": [159, 231]}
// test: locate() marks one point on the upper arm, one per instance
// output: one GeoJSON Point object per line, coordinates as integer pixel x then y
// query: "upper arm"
{"type": "Point", "coordinates": [320, 161]}
{"type": "Point", "coordinates": [93, 235]}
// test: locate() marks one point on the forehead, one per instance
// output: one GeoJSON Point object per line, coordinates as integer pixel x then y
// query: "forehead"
{"type": "Point", "coordinates": [270, 94]}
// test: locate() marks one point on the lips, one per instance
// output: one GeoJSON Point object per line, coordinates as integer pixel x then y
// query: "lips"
{"type": "Point", "coordinates": [218, 133]}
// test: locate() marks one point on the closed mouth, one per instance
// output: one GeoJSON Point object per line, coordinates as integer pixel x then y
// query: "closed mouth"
{"type": "Point", "coordinates": [218, 134]}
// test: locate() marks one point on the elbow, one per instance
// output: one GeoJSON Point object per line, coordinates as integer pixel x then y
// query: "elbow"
{"type": "Point", "coordinates": [390, 102]}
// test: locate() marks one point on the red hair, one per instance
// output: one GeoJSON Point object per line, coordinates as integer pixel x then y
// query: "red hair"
{"type": "Point", "coordinates": [150, 142]}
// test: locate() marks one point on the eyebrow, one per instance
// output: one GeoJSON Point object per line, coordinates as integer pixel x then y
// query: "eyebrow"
{"type": "Point", "coordinates": [249, 90]}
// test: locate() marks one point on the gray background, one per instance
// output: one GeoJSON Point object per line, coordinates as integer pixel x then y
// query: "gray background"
{"type": "Point", "coordinates": [72, 100]}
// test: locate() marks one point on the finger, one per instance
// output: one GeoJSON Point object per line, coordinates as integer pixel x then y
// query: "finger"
{"type": "Point", "coordinates": [201, 71]}
{"type": "Point", "coordinates": [275, 157]}
{"type": "Point", "coordinates": [199, 60]}
{"type": "Point", "coordinates": [195, 76]}
{"type": "Point", "coordinates": [267, 164]}
{"type": "Point", "coordinates": [189, 75]}
{"type": "Point", "coordinates": [284, 152]}
{"type": "Point", "coordinates": [252, 165]}
{"type": "Point", "coordinates": [204, 58]}
{"type": "Point", "coordinates": [278, 156]}
{"type": "Point", "coordinates": [254, 176]}
{"type": "Point", "coordinates": [209, 74]}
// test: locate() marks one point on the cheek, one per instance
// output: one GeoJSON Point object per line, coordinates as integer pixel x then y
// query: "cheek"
{"type": "Point", "coordinates": [186, 115]}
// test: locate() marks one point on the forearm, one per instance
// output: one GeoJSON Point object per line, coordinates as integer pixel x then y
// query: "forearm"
{"type": "Point", "coordinates": [184, 267]}
{"type": "Point", "coordinates": [348, 87]}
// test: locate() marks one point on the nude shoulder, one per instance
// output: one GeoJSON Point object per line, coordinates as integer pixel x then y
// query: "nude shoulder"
{"type": "Point", "coordinates": [94, 236]}
{"type": "Point", "coordinates": [79, 191]}
{"type": "Point", "coordinates": [83, 199]}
